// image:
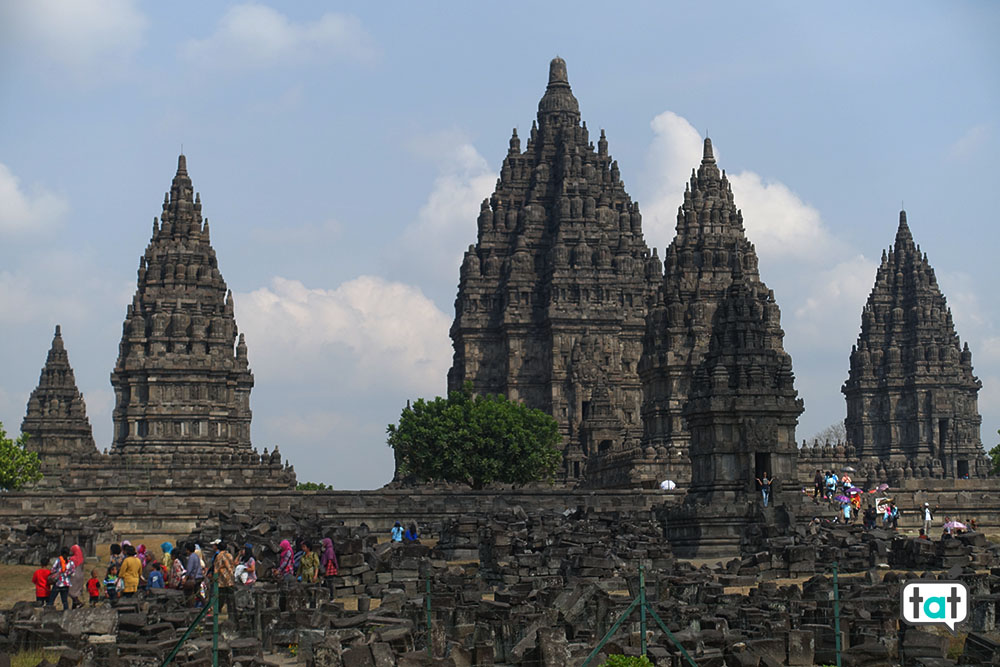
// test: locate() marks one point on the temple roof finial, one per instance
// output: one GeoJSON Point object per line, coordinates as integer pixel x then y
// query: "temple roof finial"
{"type": "Point", "coordinates": [708, 157]}
{"type": "Point", "coordinates": [558, 95]}
{"type": "Point", "coordinates": [181, 164]}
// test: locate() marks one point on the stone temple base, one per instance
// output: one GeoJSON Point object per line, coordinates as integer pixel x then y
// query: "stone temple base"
{"type": "Point", "coordinates": [723, 530]}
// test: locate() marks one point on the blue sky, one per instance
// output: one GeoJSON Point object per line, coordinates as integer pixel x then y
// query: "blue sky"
{"type": "Point", "coordinates": [342, 150]}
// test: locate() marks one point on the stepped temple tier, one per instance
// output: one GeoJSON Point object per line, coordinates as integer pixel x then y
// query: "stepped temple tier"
{"type": "Point", "coordinates": [911, 393]}
{"type": "Point", "coordinates": [552, 298]}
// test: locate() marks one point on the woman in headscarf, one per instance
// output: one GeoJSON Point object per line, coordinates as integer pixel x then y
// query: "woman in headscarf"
{"type": "Point", "coordinates": [141, 555]}
{"type": "Point", "coordinates": [166, 548]}
{"type": "Point", "coordinates": [176, 577]}
{"type": "Point", "coordinates": [328, 565]}
{"type": "Point", "coordinates": [79, 577]}
{"type": "Point", "coordinates": [286, 563]}
{"type": "Point", "coordinates": [248, 564]}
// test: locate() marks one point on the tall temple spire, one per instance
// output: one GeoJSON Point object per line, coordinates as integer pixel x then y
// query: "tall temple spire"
{"type": "Point", "coordinates": [911, 392]}
{"type": "Point", "coordinates": [179, 382]}
{"type": "Point", "coordinates": [709, 251]}
{"type": "Point", "coordinates": [552, 296]}
{"type": "Point", "coordinates": [56, 419]}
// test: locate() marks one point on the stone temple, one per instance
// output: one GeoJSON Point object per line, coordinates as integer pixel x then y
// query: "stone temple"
{"type": "Point", "coordinates": [911, 393]}
{"type": "Point", "coordinates": [553, 297]}
{"type": "Point", "coordinates": [56, 422]}
{"type": "Point", "coordinates": [179, 384]}
{"type": "Point", "coordinates": [182, 380]}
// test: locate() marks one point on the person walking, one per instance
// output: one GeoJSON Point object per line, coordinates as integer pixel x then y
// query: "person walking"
{"type": "Point", "coordinates": [130, 572]}
{"type": "Point", "coordinates": [225, 566]}
{"type": "Point", "coordinates": [309, 567]}
{"type": "Point", "coordinates": [61, 575]}
{"type": "Point", "coordinates": [765, 488]}
{"type": "Point", "coordinates": [328, 565]}
{"type": "Point", "coordinates": [41, 581]}
{"type": "Point", "coordinates": [79, 578]}
{"type": "Point", "coordinates": [285, 571]}
{"type": "Point", "coordinates": [817, 485]}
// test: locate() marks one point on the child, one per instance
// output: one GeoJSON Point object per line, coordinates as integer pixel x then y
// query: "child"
{"type": "Point", "coordinates": [41, 581]}
{"type": "Point", "coordinates": [156, 576]}
{"type": "Point", "coordinates": [111, 584]}
{"type": "Point", "coordinates": [94, 588]}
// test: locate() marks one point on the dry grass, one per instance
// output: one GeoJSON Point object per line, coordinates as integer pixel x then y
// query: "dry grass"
{"type": "Point", "coordinates": [32, 658]}
{"type": "Point", "coordinates": [15, 584]}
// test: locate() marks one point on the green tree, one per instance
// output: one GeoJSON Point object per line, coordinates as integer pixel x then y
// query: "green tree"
{"type": "Point", "coordinates": [995, 458]}
{"type": "Point", "coordinates": [313, 486]}
{"type": "Point", "coordinates": [18, 466]}
{"type": "Point", "coordinates": [619, 660]}
{"type": "Point", "coordinates": [476, 440]}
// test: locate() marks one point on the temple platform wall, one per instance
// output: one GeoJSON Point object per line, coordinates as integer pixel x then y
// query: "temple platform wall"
{"type": "Point", "coordinates": [138, 513]}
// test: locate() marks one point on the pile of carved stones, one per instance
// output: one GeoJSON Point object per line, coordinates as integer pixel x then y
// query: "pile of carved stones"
{"type": "Point", "coordinates": [514, 589]}
{"type": "Point", "coordinates": [28, 542]}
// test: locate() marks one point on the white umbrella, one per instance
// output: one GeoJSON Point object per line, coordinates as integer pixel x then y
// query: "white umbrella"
{"type": "Point", "coordinates": [668, 485]}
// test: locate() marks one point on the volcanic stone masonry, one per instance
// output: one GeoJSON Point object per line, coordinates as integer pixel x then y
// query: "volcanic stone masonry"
{"type": "Point", "coordinates": [911, 393]}
{"type": "Point", "coordinates": [552, 298]}
{"type": "Point", "coordinates": [56, 421]}
{"type": "Point", "coordinates": [178, 384]}
{"type": "Point", "coordinates": [182, 381]}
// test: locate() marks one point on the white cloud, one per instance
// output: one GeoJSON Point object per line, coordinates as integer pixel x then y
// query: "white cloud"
{"type": "Point", "coordinates": [830, 313]}
{"type": "Point", "coordinates": [83, 37]}
{"type": "Point", "coordinates": [27, 212]}
{"type": "Point", "coordinates": [432, 246]}
{"type": "Point", "coordinates": [777, 221]}
{"type": "Point", "coordinates": [676, 149]}
{"type": "Point", "coordinates": [364, 330]}
{"type": "Point", "coordinates": [966, 146]}
{"type": "Point", "coordinates": [253, 35]}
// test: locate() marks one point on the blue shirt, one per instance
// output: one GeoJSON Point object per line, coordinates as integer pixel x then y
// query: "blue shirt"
{"type": "Point", "coordinates": [194, 567]}
{"type": "Point", "coordinates": [156, 579]}
{"type": "Point", "coordinates": [397, 533]}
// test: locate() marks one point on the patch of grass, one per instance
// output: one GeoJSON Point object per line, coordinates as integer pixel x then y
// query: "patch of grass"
{"type": "Point", "coordinates": [32, 658]}
{"type": "Point", "coordinates": [15, 584]}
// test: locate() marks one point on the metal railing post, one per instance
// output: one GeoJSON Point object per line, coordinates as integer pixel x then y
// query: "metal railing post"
{"type": "Point", "coordinates": [215, 619]}
{"type": "Point", "coordinates": [642, 610]}
{"type": "Point", "coordinates": [427, 606]}
{"type": "Point", "coordinates": [836, 612]}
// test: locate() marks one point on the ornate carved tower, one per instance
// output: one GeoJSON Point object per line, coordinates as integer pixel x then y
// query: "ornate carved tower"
{"type": "Point", "coordinates": [911, 393]}
{"type": "Point", "coordinates": [552, 297]}
{"type": "Point", "coordinates": [709, 247]}
{"type": "Point", "coordinates": [57, 416]}
{"type": "Point", "coordinates": [182, 380]}
{"type": "Point", "coordinates": [743, 406]}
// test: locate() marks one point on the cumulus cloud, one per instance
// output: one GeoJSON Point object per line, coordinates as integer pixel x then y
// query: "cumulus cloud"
{"type": "Point", "coordinates": [431, 247]}
{"type": "Point", "coordinates": [829, 314]}
{"type": "Point", "coordinates": [676, 149]}
{"type": "Point", "coordinates": [253, 35]}
{"type": "Point", "coordinates": [86, 38]}
{"type": "Point", "coordinates": [27, 211]}
{"type": "Point", "coordinates": [383, 330]}
{"type": "Point", "coordinates": [777, 221]}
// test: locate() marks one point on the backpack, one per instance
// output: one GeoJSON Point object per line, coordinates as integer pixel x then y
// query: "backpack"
{"type": "Point", "coordinates": [55, 574]}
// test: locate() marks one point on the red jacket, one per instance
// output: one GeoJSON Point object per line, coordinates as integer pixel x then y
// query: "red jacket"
{"type": "Point", "coordinates": [41, 581]}
{"type": "Point", "coordinates": [94, 588]}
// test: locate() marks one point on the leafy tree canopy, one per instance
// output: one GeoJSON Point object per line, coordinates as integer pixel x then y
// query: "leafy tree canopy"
{"type": "Point", "coordinates": [476, 440]}
{"type": "Point", "coordinates": [995, 458]}
{"type": "Point", "coordinates": [18, 466]}
{"type": "Point", "coordinates": [314, 486]}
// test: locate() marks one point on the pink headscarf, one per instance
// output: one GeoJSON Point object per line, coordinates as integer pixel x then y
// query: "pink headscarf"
{"type": "Point", "coordinates": [76, 555]}
{"type": "Point", "coordinates": [328, 553]}
{"type": "Point", "coordinates": [141, 554]}
{"type": "Point", "coordinates": [285, 545]}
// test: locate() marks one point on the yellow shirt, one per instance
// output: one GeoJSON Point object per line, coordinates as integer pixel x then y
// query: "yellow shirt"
{"type": "Point", "coordinates": [130, 572]}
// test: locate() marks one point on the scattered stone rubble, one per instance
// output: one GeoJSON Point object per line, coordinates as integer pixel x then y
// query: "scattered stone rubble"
{"type": "Point", "coordinates": [512, 589]}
